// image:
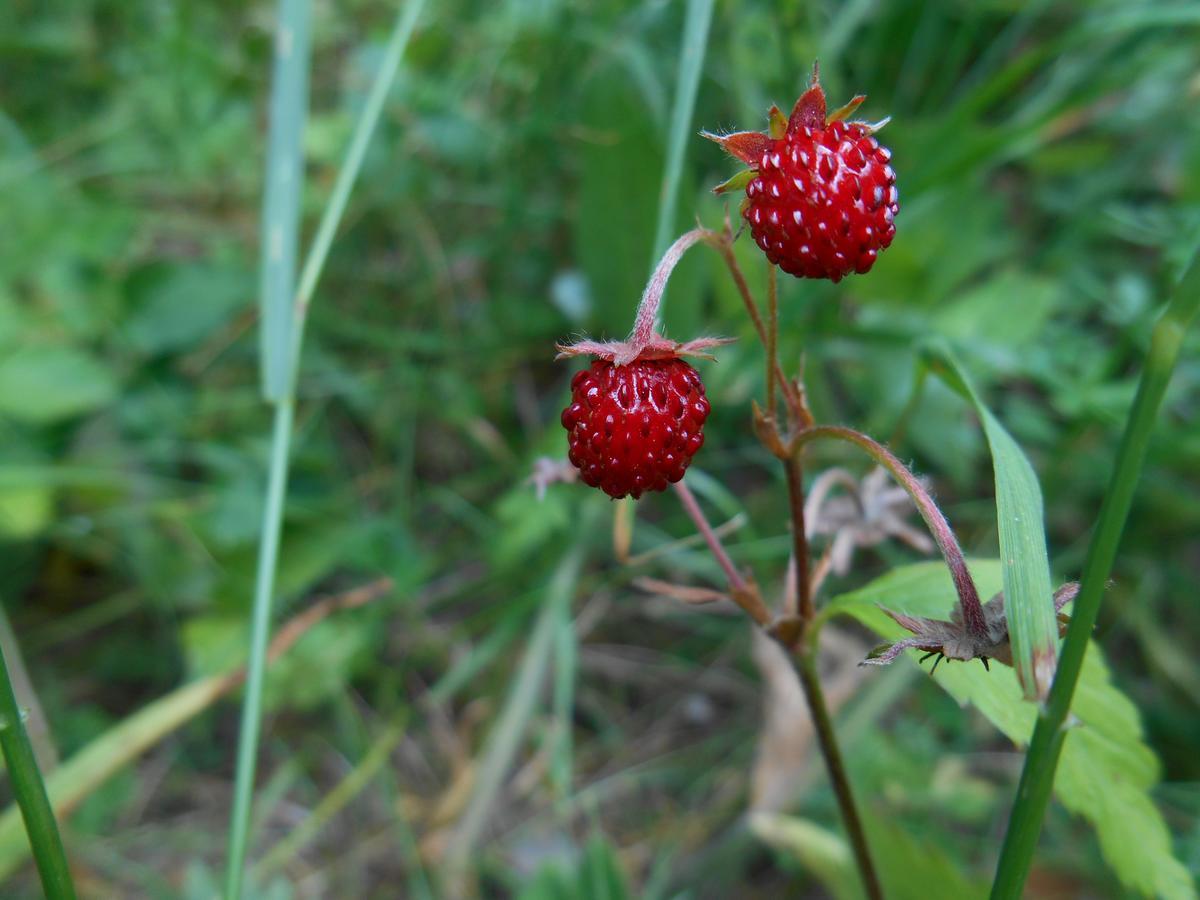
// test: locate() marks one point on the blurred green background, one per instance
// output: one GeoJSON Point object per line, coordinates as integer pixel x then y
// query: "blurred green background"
{"type": "Point", "coordinates": [1048, 159]}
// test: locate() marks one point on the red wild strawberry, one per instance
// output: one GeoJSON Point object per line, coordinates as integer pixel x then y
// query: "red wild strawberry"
{"type": "Point", "coordinates": [634, 428]}
{"type": "Point", "coordinates": [820, 195]}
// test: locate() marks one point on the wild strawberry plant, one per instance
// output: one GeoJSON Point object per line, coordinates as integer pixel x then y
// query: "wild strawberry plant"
{"type": "Point", "coordinates": [820, 202]}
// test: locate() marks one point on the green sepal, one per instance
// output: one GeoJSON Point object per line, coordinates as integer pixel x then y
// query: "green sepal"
{"type": "Point", "coordinates": [737, 183]}
{"type": "Point", "coordinates": [778, 123]}
{"type": "Point", "coordinates": [846, 111]}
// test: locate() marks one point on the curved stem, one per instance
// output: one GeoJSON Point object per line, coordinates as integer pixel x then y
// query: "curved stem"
{"type": "Point", "coordinates": [968, 594]}
{"type": "Point", "coordinates": [647, 311]}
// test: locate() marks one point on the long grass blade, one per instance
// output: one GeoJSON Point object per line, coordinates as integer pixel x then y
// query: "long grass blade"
{"type": "Point", "coordinates": [282, 194]}
{"type": "Point", "coordinates": [1037, 777]}
{"type": "Point", "coordinates": [264, 588]}
{"type": "Point", "coordinates": [282, 433]}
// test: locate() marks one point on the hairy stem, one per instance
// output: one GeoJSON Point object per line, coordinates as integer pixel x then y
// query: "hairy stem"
{"type": "Point", "coordinates": [647, 311]}
{"type": "Point", "coordinates": [968, 594]}
{"type": "Point", "coordinates": [805, 664]}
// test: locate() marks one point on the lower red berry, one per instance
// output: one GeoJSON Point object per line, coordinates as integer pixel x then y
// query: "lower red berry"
{"type": "Point", "coordinates": [635, 428]}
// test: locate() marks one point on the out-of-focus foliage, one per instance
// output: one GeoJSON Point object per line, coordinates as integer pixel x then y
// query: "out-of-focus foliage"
{"type": "Point", "coordinates": [1049, 170]}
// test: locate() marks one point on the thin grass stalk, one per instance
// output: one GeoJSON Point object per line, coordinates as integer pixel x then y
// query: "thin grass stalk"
{"type": "Point", "coordinates": [1049, 734]}
{"type": "Point", "coordinates": [30, 793]}
{"type": "Point", "coordinates": [355, 782]}
{"type": "Point", "coordinates": [513, 721]}
{"type": "Point", "coordinates": [687, 81]}
{"type": "Point", "coordinates": [260, 627]}
{"type": "Point", "coordinates": [282, 429]}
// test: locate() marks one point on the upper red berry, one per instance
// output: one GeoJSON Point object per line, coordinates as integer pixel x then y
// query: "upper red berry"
{"type": "Point", "coordinates": [634, 428]}
{"type": "Point", "coordinates": [820, 194]}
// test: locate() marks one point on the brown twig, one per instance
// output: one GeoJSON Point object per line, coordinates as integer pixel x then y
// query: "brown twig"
{"type": "Point", "coordinates": [745, 593]}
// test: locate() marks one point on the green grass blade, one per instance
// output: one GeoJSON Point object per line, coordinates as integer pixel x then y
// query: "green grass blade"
{"type": "Point", "coordinates": [687, 82]}
{"type": "Point", "coordinates": [505, 738]}
{"type": "Point", "coordinates": [566, 666]}
{"type": "Point", "coordinates": [264, 588]}
{"type": "Point", "coordinates": [347, 175]}
{"type": "Point", "coordinates": [282, 195]}
{"type": "Point", "coordinates": [1028, 594]}
{"type": "Point", "coordinates": [1037, 777]}
{"type": "Point", "coordinates": [281, 444]}
{"type": "Point", "coordinates": [332, 803]}
{"type": "Point", "coordinates": [30, 793]}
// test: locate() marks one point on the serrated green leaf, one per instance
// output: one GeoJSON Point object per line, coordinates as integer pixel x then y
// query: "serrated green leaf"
{"type": "Point", "coordinates": [1028, 594]}
{"type": "Point", "coordinates": [1106, 771]}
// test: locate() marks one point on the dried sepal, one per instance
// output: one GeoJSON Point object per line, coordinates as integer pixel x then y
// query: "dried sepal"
{"type": "Point", "coordinates": [748, 146]}
{"type": "Point", "coordinates": [953, 640]}
{"type": "Point", "coordinates": [622, 353]}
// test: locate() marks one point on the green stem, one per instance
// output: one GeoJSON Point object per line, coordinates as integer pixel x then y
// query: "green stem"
{"type": "Point", "coordinates": [805, 665]}
{"type": "Point", "coordinates": [1037, 777]}
{"type": "Point", "coordinates": [30, 793]}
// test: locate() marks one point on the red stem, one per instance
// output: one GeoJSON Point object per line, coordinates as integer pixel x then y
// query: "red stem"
{"type": "Point", "coordinates": [968, 594]}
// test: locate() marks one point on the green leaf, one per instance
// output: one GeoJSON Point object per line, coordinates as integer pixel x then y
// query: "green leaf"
{"type": "Point", "coordinates": [44, 384]}
{"type": "Point", "coordinates": [179, 306]}
{"type": "Point", "coordinates": [1106, 772]}
{"type": "Point", "coordinates": [1028, 594]}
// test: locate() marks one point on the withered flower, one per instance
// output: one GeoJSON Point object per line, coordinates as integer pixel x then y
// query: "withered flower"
{"type": "Point", "coordinates": [954, 640]}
